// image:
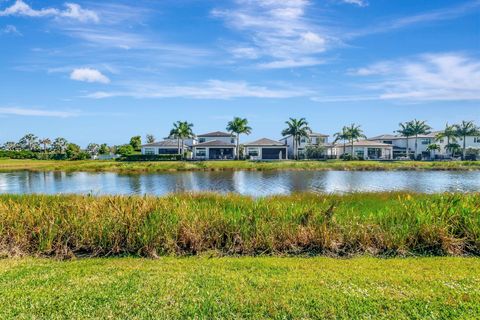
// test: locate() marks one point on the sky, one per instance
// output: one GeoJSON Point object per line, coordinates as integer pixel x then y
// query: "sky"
{"type": "Point", "coordinates": [103, 71]}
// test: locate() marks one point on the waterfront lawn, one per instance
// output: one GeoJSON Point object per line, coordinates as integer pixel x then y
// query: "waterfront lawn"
{"type": "Point", "coordinates": [163, 166]}
{"type": "Point", "coordinates": [254, 288]}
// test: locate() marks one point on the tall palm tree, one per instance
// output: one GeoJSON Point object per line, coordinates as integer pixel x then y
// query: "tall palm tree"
{"type": "Point", "coordinates": [354, 133]}
{"type": "Point", "coordinates": [45, 142]}
{"type": "Point", "coordinates": [433, 147]}
{"type": "Point", "coordinates": [419, 127]}
{"type": "Point", "coordinates": [406, 131]}
{"type": "Point", "coordinates": [450, 133]}
{"type": "Point", "coordinates": [181, 130]}
{"type": "Point", "coordinates": [298, 129]}
{"type": "Point", "coordinates": [342, 135]}
{"type": "Point", "coordinates": [238, 126]}
{"type": "Point", "coordinates": [464, 129]}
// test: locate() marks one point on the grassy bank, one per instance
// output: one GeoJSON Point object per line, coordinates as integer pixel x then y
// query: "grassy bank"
{"type": "Point", "coordinates": [254, 288]}
{"type": "Point", "coordinates": [139, 167]}
{"type": "Point", "coordinates": [305, 224]}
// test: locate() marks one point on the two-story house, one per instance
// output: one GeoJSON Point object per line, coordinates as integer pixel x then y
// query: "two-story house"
{"type": "Point", "coordinates": [216, 145]}
{"type": "Point", "coordinates": [313, 139]}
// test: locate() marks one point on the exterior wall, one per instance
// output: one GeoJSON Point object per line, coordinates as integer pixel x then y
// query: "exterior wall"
{"type": "Point", "coordinates": [260, 149]}
{"type": "Point", "coordinates": [206, 156]}
{"type": "Point", "coordinates": [223, 139]}
{"type": "Point", "coordinates": [304, 143]}
{"type": "Point", "coordinates": [385, 152]}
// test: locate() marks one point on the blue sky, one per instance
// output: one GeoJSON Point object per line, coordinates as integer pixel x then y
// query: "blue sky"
{"type": "Point", "coordinates": [104, 71]}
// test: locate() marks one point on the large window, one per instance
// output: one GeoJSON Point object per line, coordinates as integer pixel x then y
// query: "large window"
{"type": "Point", "coordinates": [201, 152]}
{"type": "Point", "coordinates": [253, 152]}
{"type": "Point", "coordinates": [201, 140]}
{"type": "Point", "coordinates": [232, 140]}
{"type": "Point", "coordinates": [426, 141]}
{"type": "Point", "coordinates": [149, 151]}
{"type": "Point", "coordinates": [476, 140]}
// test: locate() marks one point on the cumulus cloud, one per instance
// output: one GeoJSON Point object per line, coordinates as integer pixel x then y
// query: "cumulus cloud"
{"type": "Point", "coordinates": [211, 89]}
{"type": "Point", "coordinates": [88, 75]}
{"type": "Point", "coordinates": [71, 11]}
{"type": "Point", "coordinates": [277, 33]}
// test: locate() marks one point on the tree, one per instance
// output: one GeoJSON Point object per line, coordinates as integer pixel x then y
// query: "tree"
{"type": "Point", "coordinates": [150, 138]}
{"type": "Point", "coordinates": [9, 146]}
{"type": "Point", "coordinates": [93, 149]}
{"type": "Point", "coordinates": [59, 145]}
{"type": "Point", "coordinates": [453, 148]}
{"type": "Point", "coordinates": [29, 142]}
{"type": "Point", "coordinates": [136, 143]}
{"type": "Point", "coordinates": [433, 147]}
{"type": "Point", "coordinates": [104, 149]}
{"type": "Point", "coordinates": [125, 150]}
{"type": "Point", "coordinates": [181, 130]}
{"type": "Point", "coordinates": [406, 131]}
{"type": "Point", "coordinates": [418, 128]}
{"type": "Point", "coordinates": [465, 129]}
{"type": "Point", "coordinates": [342, 135]}
{"type": "Point", "coordinates": [73, 151]}
{"type": "Point", "coordinates": [314, 152]}
{"type": "Point", "coordinates": [45, 142]}
{"type": "Point", "coordinates": [238, 126]}
{"type": "Point", "coordinates": [354, 133]}
{"type": "Point", "coordinates": [450, 133]}
{"type": "Point", "coordinates": [298, 129]}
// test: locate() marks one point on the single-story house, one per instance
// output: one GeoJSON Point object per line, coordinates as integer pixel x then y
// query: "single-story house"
{"type": "Point", "coordinates": [266, 149]}
{"type": "Point", "coordinates": [368, 150]}
{"type": "Point", "coordinates": [167, 146]}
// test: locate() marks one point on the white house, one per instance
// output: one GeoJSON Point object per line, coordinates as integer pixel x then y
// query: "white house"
{"type": "Point", "coordinates": [365, 149]}
{"type": "Point", "coordinates": [266, 149]}
{"type": "Point", "coordinates": [216, 145]}
{"type": "Point", "coordinates": [314, 139]}
{"type": "Point", "coordinates": [167, 146]}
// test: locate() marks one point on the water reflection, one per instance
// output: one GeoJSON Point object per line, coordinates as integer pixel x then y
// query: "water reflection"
{"type": "Point", "coordinates": [243, 182]}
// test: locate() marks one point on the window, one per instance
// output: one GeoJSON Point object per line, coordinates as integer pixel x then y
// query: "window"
{"type": "Point", "coordinates": [253, 152]}
{"type": "Point", "coordinates": [232, 140]}
{"type": "Point", "coordinates": [149, 151]}
{"type": "Point", "coordinates": [426, 141]}
{"type": "Point", "coordinates": [387, 141]}
{"type": "Point", "coordinates": [476, 140]}
{"type": "Point", "coordinates": [320, 140]}
{"type": "Point", "coordinates": [441, 140]}
{"type": "Point", "coordinates": [303, 140]}
{"type": "Point", "coordinates": [201, 140]}
{"type": "Point", "coordinates": [201, 152]}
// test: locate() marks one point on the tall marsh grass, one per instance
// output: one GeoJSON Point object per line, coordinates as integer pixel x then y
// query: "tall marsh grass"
{"type": "Point", "coordinates": [383, 224]}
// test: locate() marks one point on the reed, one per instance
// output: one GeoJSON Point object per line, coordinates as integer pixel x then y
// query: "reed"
{"type": "Point", "coordinates": [380, 224]}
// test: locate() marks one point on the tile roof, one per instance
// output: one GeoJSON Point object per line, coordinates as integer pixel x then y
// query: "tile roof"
{"type": "Point", "coordinates": [265, 142]}
{"type": "Point", "coordinates": [216, 134]}
{"type": "Point", "coordinates": [365, 143]}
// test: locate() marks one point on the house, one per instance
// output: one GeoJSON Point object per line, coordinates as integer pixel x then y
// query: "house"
{"type": "Point", "coordinates": [313, 139]}
{"type": "Point", "coordinates": [216, 145]}
{"type": "Point", "coordinates": [167, 146]}
{"type": "Point", "coordinates": [365, 149]}
{"type": "Point", "coordinates": [266, 149]}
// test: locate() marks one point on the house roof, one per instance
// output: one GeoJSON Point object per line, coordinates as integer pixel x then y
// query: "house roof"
{"type": "Point", "coordinates": [432, 134]}
{"type": "Point", "coordinates": [365, 143]}
{"type": "Point", "coordinates": [312, 134]}
{"type": "Point", "coordinates": [215, 143]}
{"type": "Point", "coordinates": [265, 142]}
{"type": "Point", "coordinates": [216, 134]}
{"type": "Point", "coordinates": [165, 144]}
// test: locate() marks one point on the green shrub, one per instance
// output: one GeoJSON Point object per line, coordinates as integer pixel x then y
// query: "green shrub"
{"type": "Point", "coordinates": [151, 157]}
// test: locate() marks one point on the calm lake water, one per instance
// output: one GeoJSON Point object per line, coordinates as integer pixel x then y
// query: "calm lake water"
{"type": "Point", "coordinates": [243, 182]}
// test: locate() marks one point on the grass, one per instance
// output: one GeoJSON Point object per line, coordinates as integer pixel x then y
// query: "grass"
{"type": "Point", "coordinates": [381, 224]}
{"type": "Point", "coordinates": [249, 288]}
{"type": "Point", "coordinates": [139, 167]}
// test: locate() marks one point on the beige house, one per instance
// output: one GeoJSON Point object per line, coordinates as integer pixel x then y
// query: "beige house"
{"type": "Point", "coordinates": [365, 149]}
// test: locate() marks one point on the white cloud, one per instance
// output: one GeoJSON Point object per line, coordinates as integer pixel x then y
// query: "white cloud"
{"type": "Point", "coordinates": [10, 29]}
{"type": "Point", "coordinates": [429, 77]}
{"type": "Point", "coordinates": [360, 3]}
{"type": "Point", "coordinates": [212, 89]}
{"type": "Point", "coordinates": [89, 75]}
{"type": "Point", "coordinates": [36, 112]}
{"type": "Point", "coordinates": [72, 11]}
{"type": "Point", "coordinates": [277, 33]}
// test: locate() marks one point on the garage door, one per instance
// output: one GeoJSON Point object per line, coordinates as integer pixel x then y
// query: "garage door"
{"type": "Point", "coordinates": [273, 153]}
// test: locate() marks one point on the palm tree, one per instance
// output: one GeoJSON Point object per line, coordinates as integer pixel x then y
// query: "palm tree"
{"type": "Point", "coordinates": [466, 128]}
{"type": "Point", "coordinates": [298, 129]}
{"type": "Point", "coordinates": [354, 133]}
{"type": "Point", "coordinates": [406, 131]}
{"type": "Point", "coordinates": [45, 142]}
{"type": "Point", "coordinates": [238, 126]}
{"type": "Point", "coordinates": [181, 130]}
{"type": "Point", "coordinates": [433, 147]}
{"type": "Point", "coordinates": [343, 135]}
{"type": "Point", "coordinates": [450, 133]}
{"type": "Point", "coordinates": [418, 128]}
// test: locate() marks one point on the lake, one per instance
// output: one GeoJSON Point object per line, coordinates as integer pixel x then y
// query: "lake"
{"type": "Point", "coordinates": [252, 183]}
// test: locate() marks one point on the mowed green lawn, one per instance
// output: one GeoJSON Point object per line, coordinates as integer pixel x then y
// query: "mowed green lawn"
{"type": "Point", "coordinates": [260, 287]}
